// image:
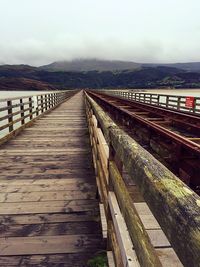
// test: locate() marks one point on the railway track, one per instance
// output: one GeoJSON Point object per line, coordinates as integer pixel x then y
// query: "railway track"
{"type": "Point", "coordinates": [172, 137]}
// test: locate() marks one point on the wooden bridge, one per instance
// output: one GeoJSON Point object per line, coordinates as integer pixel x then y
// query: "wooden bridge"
{"type": "Point", "coordinates": [58, 210]}
{"type": "Point", "coordinates": [49, 213]}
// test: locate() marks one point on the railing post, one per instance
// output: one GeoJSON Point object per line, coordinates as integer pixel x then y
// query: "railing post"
{"type": "Point", "coordinates": [54, 99]}
{"type": "Point", "coordinates": [42, 104]}
{"type": "Point", "coordinates": [158, 100]}
{"type": "Point", "coordinates": [194, 105]}
{"type": "Point", "coordinates": [37, 109]}
{"type": "Point", "coordinates": [30, 108]}
{"type": "Point", "coordinates": [50, 101]}
{"type": "Point", "coordinates": [150, 99]}
{"type": "Point", "coordinates": [178, 102]}
{"type": "Point", "coordinates": [46, 104]}
{"type": "Point", "coordinates": [10, 118]}
{"type": "Point", "coordinates": [167, 101]}
{"type": "Point", "coordinates": [22, 111]}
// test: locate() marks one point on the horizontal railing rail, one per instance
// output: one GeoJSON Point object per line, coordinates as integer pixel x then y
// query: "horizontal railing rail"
{"type": "Point", "coordinates": [175, 206]}
{"type": "Point", "coordinates": [177, 102]}
{"type": "Point", "coordinates": [16, 112]}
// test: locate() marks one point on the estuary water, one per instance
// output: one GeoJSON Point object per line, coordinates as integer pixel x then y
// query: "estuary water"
{"type": "Point", "coordinates": [11, 94]}
{"type": "Point", "coordinates": [181, 92]}
{"type": "Point", "coordinates": [14, 94]}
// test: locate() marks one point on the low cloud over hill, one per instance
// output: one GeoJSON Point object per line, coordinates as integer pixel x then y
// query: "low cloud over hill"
{"type": "Point", "coordinates": [98, 74]}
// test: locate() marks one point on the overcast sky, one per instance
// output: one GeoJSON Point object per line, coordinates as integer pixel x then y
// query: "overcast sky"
{"type": "Point", "coordinates": [38, 32]}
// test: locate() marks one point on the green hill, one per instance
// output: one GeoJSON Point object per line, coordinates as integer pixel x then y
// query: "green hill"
{"type": "Point", "coordinates": [91, 65]}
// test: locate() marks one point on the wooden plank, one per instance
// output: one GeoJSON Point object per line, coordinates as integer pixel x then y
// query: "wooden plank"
{"type": "Point", "coordinates": [102, 141]}
{"type": "Point", "coordinates": [47, 207]}
{"type": "Point", "coordinates": [134, 193]}
{"type": "Point", "coordinates": [25, 219]}
{"type": "Point", "coordinates": [45, 196]}
{"type": "Point", "coordinates": [103, 221]}
{"type": "Point", "coordinates": [47, 193]}
{"type": "Point", "coordinates": [42, 171]}
{"type": "Point", "coordinates": [49, 229]}
{"type": "Point", "coordinates": [103, 161]}
{"type": "Point", "coordinates": [128, 254]}
{"type": "Point", "coordinates": [149, 222]}
{"type": "Point", "coordinates": [44, 152]}
{"type": "Point", "coordinates": [64, 260]}
{"type": "Point", "coordinates": [28, 163]}
{"type": "Point", "coordinates": [142, 208]}
{"type": "Point", "coordinates": [50, 145]}
{"type": "Point", "coordinates": [46, 182]}
{"type": "Point", "coordinates": [49, 244]}
{"type": "Point", "coordinates": [111, 262]}
{"type": "Point", "coordinates": [52, 129]}
{"type": "Point", "coordinates": [146, 216]}
{"type": "Point", "coordinates": [52, 159]}
{"type": "Point", "coordinates": [47, 140]}
{"type": "Point", "coordinates": [114, 245]}
{"type": "Point", "coordinates": [48, 176]}
{"type": "Point", "coordinates": [168, 257]}
{"type": "Point", "coordinates": [160, 188]}
{"type": "Point", "coordinates": [158, 238]}
{"type": "Point", "coordinates": [144, 248]}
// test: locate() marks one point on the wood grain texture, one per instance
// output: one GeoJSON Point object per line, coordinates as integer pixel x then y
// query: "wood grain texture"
{"type": "Point", "coordinates": [49, 215]}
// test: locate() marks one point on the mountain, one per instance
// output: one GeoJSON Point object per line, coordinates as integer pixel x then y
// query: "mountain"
{"type": "Point", "coordinates": [20, 67]}
{"type": "Point", "coordinates": [91, 65]}
{"type": "Point", "coordinates": [23, 77]}
{"type": "Point", "coordinates": [24, 84]}
{"type": "Point", "coordinates": [113, 65]}
{"type": "Point", "coordinates": [191, 66]}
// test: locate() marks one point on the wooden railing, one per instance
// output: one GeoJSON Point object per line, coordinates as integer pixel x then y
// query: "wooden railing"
{"type": "Point", "coordinates": [168, 101]}
{"type": "Point", "coordinates": [16, 112]}
{"type": "Point", "coordinates": [175, 206]}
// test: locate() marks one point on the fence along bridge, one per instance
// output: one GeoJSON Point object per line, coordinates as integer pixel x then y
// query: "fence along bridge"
{"type": "Point", "coordinates": [50, 214]}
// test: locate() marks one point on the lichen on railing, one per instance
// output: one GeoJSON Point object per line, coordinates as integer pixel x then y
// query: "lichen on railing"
{"type": "Point", "coordinates": [175, 206]}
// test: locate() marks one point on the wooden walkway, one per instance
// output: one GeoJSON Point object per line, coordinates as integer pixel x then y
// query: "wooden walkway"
{"type": "Point", "coordinates": [48, 212]}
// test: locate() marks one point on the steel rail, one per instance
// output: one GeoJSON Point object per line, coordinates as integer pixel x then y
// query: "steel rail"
{"type": "Point", "coordinates": [194, 147]}
{"type": "Point", "coordinates": [192, 120]}
{"type": "Point", "coordinates": [182, 149]}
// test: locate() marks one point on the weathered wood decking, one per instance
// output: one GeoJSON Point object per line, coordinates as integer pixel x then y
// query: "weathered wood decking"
{"type": "Point", "coordinates": [48, 212]}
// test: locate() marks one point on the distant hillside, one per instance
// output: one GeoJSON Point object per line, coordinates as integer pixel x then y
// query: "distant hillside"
{"type": "Point", "coordinates": [191, 66]}
{"type": "Point", "coordinates": [24, 84]}
{"type": "Point", "coordinates": [113, 65]}
{"type": "Point", "coordinates": [91, 65]}
{"type": "Point", "coordinates": [20, 67]}
{"type": "Point", "coordinates": [31, 78]}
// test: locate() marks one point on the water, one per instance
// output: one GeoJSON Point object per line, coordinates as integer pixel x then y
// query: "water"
{"type": "Point", "coordinates": [11, 94]}
{"type": "Point", "coordinates": [181, 92]}
{"type": "Point", "coordinates": [14, 94]}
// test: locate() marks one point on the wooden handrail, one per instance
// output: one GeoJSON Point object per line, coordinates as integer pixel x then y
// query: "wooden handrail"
{"type": "Point", "coordinates": [15, 112]}
{"type": "Point", "coordinates": [175, 206]}
{"type": "Point", "coordinates": [169, 101]}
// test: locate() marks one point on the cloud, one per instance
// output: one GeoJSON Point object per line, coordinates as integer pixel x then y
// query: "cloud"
{"type": "Point", "coordinates": [38, 52]}
{"type": "Point", "coordinates": [39, 32]}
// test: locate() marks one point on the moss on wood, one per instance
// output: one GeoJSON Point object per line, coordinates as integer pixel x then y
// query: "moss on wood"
{"type": "Point", "coordinates": [175, 206]}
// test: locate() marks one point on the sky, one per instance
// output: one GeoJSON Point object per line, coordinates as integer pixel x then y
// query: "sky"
{"type": "Point", "coordinates": [38, 32]}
